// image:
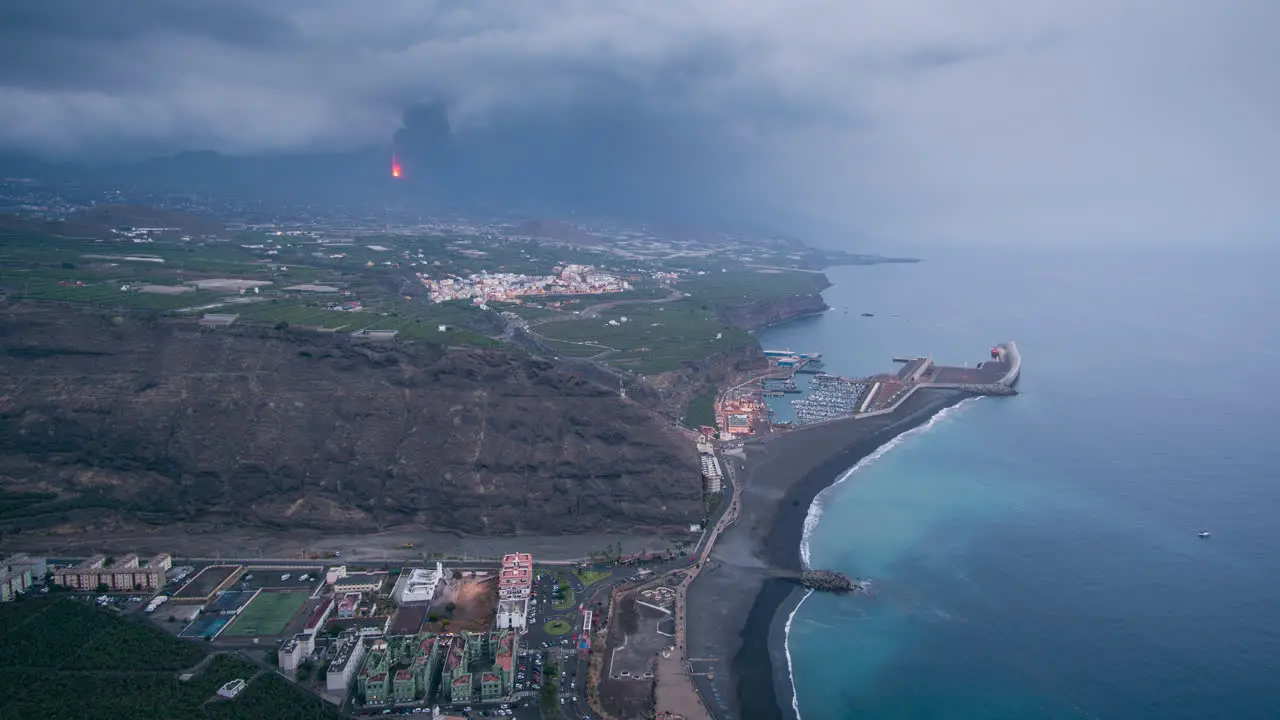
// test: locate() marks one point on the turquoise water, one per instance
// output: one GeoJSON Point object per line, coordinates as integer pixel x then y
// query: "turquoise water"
{"type": "Point", "coordinates": [1037, 557]}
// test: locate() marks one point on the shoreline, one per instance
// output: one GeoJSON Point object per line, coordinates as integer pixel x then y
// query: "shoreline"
{"type": "Point", "coordinates": [738, 611]}
{"type": "Point", "coordinates": [789, 532]}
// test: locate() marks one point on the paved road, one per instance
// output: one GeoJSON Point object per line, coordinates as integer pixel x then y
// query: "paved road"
{"type": "Point", "coordinates": [728, 518]}
{"type": "Point", "coordinates": [595, 310]}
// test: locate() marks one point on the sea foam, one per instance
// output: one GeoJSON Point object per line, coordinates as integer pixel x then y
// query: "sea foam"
{"type": "Point", "coordinates": [815, 515]}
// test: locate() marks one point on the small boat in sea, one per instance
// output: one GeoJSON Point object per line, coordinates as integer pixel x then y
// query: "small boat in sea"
{"type": "Point", "coordinates": [1204, 533]}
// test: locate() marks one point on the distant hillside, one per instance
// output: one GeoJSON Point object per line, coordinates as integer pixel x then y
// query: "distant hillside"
{"type": "Point", "coordinates": [556, 230]}
{"type": "Point", "coordinates": [114, 217]}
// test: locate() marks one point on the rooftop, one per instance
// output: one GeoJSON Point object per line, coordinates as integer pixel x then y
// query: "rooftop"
{"type": "Point", "coordinates": [347, 644]}
{"type": "Point", "coordinates": [506, 644]}
{"type": "Point", "coordinates": [353, 579]}
{"type": "Point", "coordinates": [318, 614]}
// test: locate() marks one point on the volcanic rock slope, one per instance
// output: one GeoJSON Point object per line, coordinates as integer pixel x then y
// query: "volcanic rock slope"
{"type": "Point", "coordinates": [170, 422]}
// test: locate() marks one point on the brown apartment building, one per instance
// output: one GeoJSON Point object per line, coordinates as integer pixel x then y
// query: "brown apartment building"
{"type": "Point", "coordinates": [125, 574]}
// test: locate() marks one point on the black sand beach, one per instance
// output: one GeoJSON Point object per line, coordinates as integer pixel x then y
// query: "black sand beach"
{"type": "Point", "coordinates": [738, 606]}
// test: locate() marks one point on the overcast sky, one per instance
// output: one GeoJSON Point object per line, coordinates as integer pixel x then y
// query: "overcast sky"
{"type": "Point", "coordinates": [902, 121]}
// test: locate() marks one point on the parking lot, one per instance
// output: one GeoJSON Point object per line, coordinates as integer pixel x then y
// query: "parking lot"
{"type": "Point", "coordinates": [280, 578]}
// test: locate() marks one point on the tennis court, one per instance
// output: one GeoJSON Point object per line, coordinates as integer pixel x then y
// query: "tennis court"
{"type": "Point", "coordinates": [206, 626]}
{"type": "Point", "coordinates": [267, 615]}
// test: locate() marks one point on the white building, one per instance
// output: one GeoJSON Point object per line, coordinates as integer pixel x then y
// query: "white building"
{"type": "Point", "coordinates": [420, 584]}
{"type": "Point", "coordinates": [289, 654]}
{"type": "Point", "coordinates": [512, 615]}
{"type": "Point", "coordinates": [345, 661]}
{"type": "Point", "coordinates": [361, 582]}
{"type": "Point", "coordinates": [295, 650]}
{"type": "Point", "coordinates": [232, 688]}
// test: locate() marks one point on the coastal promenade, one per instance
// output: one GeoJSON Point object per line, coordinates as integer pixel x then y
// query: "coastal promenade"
{"type": "Point", "coordinates": [726, 520]}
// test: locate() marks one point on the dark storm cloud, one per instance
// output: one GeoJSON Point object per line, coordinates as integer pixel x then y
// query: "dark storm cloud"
{"type": "Point", "coordinates": [243, 24]}
{"type": "Point", "coordinates": [992, 120]}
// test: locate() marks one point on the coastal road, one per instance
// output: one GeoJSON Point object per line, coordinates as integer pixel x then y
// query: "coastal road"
{"type": "Point", "coordinates": [726, 520]}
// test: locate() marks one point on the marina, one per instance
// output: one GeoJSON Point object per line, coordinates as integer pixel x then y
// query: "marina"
{"type": "Point", "coordinates": [753, 406]}
{"type": "Point", "coordinates": [830, 397]}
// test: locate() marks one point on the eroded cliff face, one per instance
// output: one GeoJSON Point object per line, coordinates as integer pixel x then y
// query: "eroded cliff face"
{"type": "Point", "coordinates": [171, 422]}
{"type": "Point", "coordinates": [762, 313]}
{"type": "Point", "coordinates": [680, 387]}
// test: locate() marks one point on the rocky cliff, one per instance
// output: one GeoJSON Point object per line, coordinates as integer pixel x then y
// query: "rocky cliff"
{"type": "Point", "coordinates": [678, 388]}
{"type": "Point", "coordinates": [171, 422]}
{"type": "Point", "coordinates": [762, 313]}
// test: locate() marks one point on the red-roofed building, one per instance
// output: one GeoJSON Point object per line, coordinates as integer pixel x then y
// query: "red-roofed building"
{"type": "Point", "coordinates": [503, 656]}
{"type": "Point", "coordinates": [318, 616]}
{"type": "Point", "coordinates": [515, 579]}
{"type": "Point", "coordinates": [491, 687]}
{"type": "Point", "coordinates": [460, 689]}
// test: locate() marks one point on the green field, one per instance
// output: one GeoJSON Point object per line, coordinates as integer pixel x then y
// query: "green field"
{"type": "Point", "coordinates": [744, 286]}
{"type": "Point", "coordinates": [656, 338]}
{"type": "Point", "coordinates": [414, 319]}
{"type": "Point", "coordinates": [267, 615]}
{"type": "Point", "coordinates": [120, 669]}
{"type": "Point", "coordinates": [593, 576]}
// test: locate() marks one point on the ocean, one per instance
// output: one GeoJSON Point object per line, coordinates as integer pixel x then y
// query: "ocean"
{"type": "Point", "coordinates": [1038, 556]}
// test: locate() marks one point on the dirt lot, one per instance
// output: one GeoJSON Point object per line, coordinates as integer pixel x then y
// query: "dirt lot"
{"type": "Point", "coordinates": [634, 641]}
{"type": "Point", "coordinates": [408, 620]}
{"type": "Point", "coordinates": [474, 599]}
{"type": "Point", "coordinates": [206, 581]}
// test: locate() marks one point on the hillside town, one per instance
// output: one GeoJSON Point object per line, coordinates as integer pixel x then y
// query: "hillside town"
{"type": "Point", "coordinates": [565, 280]}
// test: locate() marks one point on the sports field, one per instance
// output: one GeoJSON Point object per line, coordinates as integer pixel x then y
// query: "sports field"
{"type": "Point", "coordinates": [267, 615]}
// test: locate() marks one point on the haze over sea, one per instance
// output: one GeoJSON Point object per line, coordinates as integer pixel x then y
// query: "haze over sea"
{"type": "Point", "coordinates": [1037, 557]}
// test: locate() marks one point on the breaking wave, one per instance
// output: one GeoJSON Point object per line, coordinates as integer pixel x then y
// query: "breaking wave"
{"type": "Point", "coordinates": [815, 508]}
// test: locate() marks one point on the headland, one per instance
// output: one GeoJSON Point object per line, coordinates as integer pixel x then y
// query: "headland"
{"type": "Point", "coordinates": [739, 604]}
